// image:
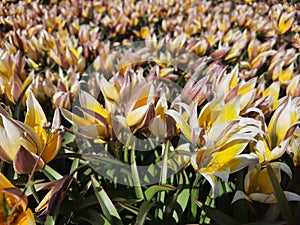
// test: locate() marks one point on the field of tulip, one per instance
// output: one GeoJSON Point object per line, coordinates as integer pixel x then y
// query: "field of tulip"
{"type": "Point", "coordinates": [149, 112]}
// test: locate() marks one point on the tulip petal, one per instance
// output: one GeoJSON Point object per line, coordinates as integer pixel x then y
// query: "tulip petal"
{"type": "Point", "coordinates": [74, 119]}
{"type": "Point", "coordinates": [241, 161]}
{"type": "Point", "coordinates": [35, 116]}
{"type": "Point", "coordinates": [239, 195]}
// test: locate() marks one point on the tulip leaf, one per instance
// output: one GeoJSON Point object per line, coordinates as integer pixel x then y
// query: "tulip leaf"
{"type": "Point", "coordinates": [106, 204]}
{"type": "Point", "coordinates": [130, 208]}
{"type": "Point", "coordinates": [216, 215]}
{"type": "Point", "coordinates": [151, 191]}
{"type": "Point", "coordinates": [279, 194]}
{"type": "Point", "coordinates": [135, 176]}
{"type": "Point", "coordinates": [51, 173]}
{"type": "Point", "coordinates": [143, 212]}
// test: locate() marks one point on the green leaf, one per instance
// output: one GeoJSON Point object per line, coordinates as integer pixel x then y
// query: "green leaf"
{"type": "Point", "coordinates": [181, 198]}
{"type": "Point", "coordinates": [106, 204]}
{"type": "Point", "coordinates": [218, 216]}
{"type": "Point", "coordinates": [68, 138]}
{"type": "Point", "coordinates": [280, 196]}
{"type": "Point", "coordinates": [51, 173]}
{"type": "Point", "coordinates": [135, 176]}
{"type": "Point", "coordinates": [130, 208]}
{"type": "Point", "coordinates": [143, 212]}
{"type": "Point", "coordinates": [151, 191]}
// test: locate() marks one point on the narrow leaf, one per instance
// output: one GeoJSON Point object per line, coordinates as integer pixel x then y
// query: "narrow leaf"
{"type": "Point", "coordinates": [106, 204]}
{"type": "Point", "coordinates": [143, 212]}
{"type": "Point", "coordinates": [153, 190]}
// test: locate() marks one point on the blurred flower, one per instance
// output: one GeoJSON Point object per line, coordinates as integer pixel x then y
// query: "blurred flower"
{"type": "Point", "coordinates": [13, 206]}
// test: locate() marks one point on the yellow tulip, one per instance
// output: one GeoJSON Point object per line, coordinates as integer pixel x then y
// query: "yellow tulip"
{"type": "Point", "coordinates": [285, 22]}
{"type": "Point", "coordinates": [95, 121]}
{"type": "Point", "coordinates": [220, 136]}
{"type": "Point", "coordinates": [12, 198]}
{"type": "Point", "coordinates": [23, 143]}
{"type": "Point", "coordinates": [50, 138]}
{"type": "Point", "coordinates": [273, 91]}
{"type": "Point", "coordinates": [258, 186]}
{"type": "Point", "coordinates": [275, 142]}
{"type": "Point", "coordinates": [283, 118]}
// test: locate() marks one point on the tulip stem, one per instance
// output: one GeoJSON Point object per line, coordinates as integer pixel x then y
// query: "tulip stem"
{"type": "Point", "coordinates": [126, 148]}
{"type": "Point", "coordinates": [163, 179]}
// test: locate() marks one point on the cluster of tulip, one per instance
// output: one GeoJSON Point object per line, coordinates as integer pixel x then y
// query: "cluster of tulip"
{"type": "Point", "coordinates": [236, 66]}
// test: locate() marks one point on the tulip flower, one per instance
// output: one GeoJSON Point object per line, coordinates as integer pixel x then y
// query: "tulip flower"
{"type": "Point", "coordinates": [13, 205]}
{"type": "Point", "coordinates": [282, 125]}
{"type": "Point", "coordinates": [23, 143]}
{"type": "Point", "coordinates": [220, 136]}
{"type": "Point", "coordinates": [258, 186]}
{"type": "Point", "coordinates": [95, 121]}
{"type": "Point", "coordinates": [285, 22]}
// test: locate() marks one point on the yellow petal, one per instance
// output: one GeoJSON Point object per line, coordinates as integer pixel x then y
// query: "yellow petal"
{"type": "Point", "coordinates": [4, 182]}
{"type": "Point", "coordinates": [286, 74]}
{"type": "Point", "coordinates": [74, 119]}
{"type": "Point", "coordinates": [89, 102]}
{"type": "Point", "coordinates": [136, 116]}
{"type": "Point", "coordinates": [35, 116]}
{"type": "Point", "coordinates": [284, 116]}
{"type": "Point", "coordinates": [230, 111]}
{"type": "Point", "coordinates": [108, 90]}
{"type": "Point", "coordinates": [285, 22]}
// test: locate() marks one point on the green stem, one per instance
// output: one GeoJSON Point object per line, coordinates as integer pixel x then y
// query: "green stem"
{"type": "Point", "coordinates": [126, 148]}
{"type": "Point", "coordinates": [135, 175]}
{"type": "Point", "coordinates": [195, 195]}
{"type": "Point", "coordinates": [163, 180]}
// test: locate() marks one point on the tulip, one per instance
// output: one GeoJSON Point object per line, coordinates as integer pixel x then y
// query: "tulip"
{"type": "Point", "coordinates": [285, 22]}
{"type": "Point", "coordinates": [275, 142]}
{"type": "Point", "coordinates": [219, 135]}
{"type": "Point", "coordinates": [95, 121]}
{"type": "Point", "coordinates": [33, 141]}
{"type": "Point", "coordinates": [258, 186]}
{"type": "Point", "coordinates": [14, 199]}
